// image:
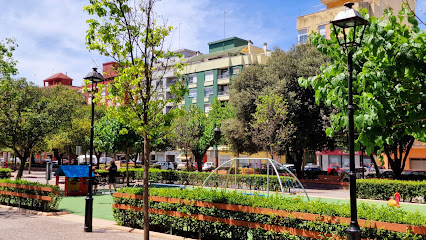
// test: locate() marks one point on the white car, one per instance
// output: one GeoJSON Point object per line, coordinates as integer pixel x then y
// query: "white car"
{"type": "Point", "coordinates": [207, 166]}
{"type": "Point", "coordinates": [166, 165]}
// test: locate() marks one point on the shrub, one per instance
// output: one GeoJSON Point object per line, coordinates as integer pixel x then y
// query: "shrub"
{"type": "Point", "coordinates": [383, 189]}
{"type": "Point", "coordinates": [29, 203]}
{"type": "Point", "coordinates": [5, 173]}
{"type": "Point", "coordinates": [210, 230]}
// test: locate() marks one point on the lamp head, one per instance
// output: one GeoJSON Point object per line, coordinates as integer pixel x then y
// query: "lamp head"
{"type": "Point", "coordinates": [94, 76]}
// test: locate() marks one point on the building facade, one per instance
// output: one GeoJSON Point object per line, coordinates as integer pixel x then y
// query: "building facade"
{"type": "Point", "coordinates": [209, 76]}
{"type": "Point", "coordinates": [320, 21]}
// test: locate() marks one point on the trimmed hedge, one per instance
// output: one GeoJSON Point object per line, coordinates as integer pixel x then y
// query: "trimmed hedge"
{"type": "Point", "coordinates": [29, 203]}
{"type": "Point", "coordinates": [5, 173]}
{"type": "Point", "coordinates": [383, 189]}
{"type": "Point", "coordinates": [249, 181]}
{"type": "Point", "coordinates": [217, 230]}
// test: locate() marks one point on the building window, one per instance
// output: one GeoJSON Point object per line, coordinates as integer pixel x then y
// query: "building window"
{"type": "Point", "coordinates": [193, 93]}
{"type": "Point", "coordinates": [207, 107]}
{"type": "Point", "coordinates": [209, 76]}
{"type": "Point", "coordinates": [223, 73]}
{"type": "Point", "coordinates": [223, 90]}
{"type": "Point", "coordinates": [192, 78]}
{"type": "Point", "coordinates": [208, 91]}
{"type": "Point", "coordinates": [235, 70]}
{"type": "Point", "coordinates": [103, 93]}
{"type": "Point", "coordinates": [302, 36]}
{"type": "Point", "coordinates": [321, 30]}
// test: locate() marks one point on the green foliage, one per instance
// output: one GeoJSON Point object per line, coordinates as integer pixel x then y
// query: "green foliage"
{"type": "Point", "coordinates": [7, 63]}
{"type": "Point", "coordinates": [388, 87]}
{"type": "Point", "coordinates": [223, 231]}
{"type": "Point", "coordinates": [259, 92]}
{"type": "Point", "coordinates": [383, 189]}
{"type": "Point", "coordinates": [270, 126]}
{"type": "Point", "coordinates": [193, 130]}
{"type": "Point", "coordinates": [5, 173]}
{"type": "Point", "coordinates": [34, 204]}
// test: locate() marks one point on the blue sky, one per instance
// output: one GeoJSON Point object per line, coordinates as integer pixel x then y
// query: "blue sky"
{"type": "Point", "coordinates": [51, 33]}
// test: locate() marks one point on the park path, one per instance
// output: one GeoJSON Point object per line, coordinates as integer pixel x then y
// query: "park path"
{"type": "Point", "coordinates": [23, 226]}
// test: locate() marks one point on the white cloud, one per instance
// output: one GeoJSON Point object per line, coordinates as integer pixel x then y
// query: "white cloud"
{"type": "Point", "coordinates": [51, 33]}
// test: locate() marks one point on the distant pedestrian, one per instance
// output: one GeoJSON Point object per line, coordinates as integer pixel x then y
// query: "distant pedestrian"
{"type": "Point", "coordinates": [112, 173]}
{"type": "Point", "coordinates": [95, 180]}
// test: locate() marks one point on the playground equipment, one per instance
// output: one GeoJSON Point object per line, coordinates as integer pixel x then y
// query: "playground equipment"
{"type": "Point", "coordinates": [287, 182]}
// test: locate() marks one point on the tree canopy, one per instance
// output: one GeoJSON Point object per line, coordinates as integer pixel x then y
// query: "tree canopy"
{"type": "Point", "coordinates": [388, 88]}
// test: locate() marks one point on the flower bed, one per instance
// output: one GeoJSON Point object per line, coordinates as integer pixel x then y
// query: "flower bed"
{"type": "Point", "coordinates": [224, 215]}
{"type": "Point", "coordinates": [29, 195]}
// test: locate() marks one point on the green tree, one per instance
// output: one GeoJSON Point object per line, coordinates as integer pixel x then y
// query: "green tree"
{"type": "Point", "coordinates": [193, 130]}
{"type": "Point", "coordinates": [112, 135]}
{"type": "Point", "coordinates": [129, 32]}
{"type": "Point", "coordinates": [276, 83]}
{"type": "Point", "coordinates": [270, 126]}
{"type": "Point", "coordinates": [389, 87]}
{"type": "Point", "coordinates": [61, 140]}
{"type": "Point", "coordinates": [7, 63]}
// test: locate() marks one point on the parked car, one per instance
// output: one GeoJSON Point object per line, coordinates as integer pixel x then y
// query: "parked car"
{"type": "Point", "coordinates": [313, 168]}
{"type": "Point", "coordinates": [181, 166]}
{"type": "Point", "coordinates": [334, 169]}
{"type": "Point", "coordinates": [288, 166]}
{"type": "Point", "coordinates": [417, 175]}
{"type": "Point", "coordinates": [166, 165]}
{"type": "Point", "coordinates": [387, 174]}
{"type": "Point", "coordinates": [207, 166]}
{"type": "Point", "coordinates": [358, 172]}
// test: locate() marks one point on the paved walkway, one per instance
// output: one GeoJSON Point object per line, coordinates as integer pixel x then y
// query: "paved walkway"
{"type": "Point", "coordinates": [22, 226]}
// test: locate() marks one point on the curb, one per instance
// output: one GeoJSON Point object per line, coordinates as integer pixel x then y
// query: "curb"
{"type": "Point", "coordinates": [34, 212]}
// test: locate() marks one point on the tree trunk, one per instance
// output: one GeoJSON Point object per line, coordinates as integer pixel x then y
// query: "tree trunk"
{"type": "Point", "coordinates": [22, 165]}
{"type": "Point", "coordinates": [398, 148]}
{"type": "Point", "coordinates": [373, 161]}
{"type": "Point", "coordinates": [298, 162]}
{"type": "Point", "coordinates": [127, 166]}
{"type": "Point", "coordinates": [146, 187]}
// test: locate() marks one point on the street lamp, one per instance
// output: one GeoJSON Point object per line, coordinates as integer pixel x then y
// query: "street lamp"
{"type": "Point", "coordinates": [216, 139]}
{"type": "Point", "coordinates": [350, 19]}
{"type": "Point", "coordinates": [93, 77]}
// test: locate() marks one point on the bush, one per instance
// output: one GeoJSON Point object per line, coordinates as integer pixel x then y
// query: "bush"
{"type": "Point", "coordinates": [34, 204]}
{"type": "Point", "coordinates": [211, 230]}
{"type": "Point", "coordinates": [383, 189]}
{"type": "Point", "coordinates": [5, 173]}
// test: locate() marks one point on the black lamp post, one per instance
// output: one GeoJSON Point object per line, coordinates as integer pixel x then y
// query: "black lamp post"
{"type": "Point", "coordinates": [93, 77]}
{"type": "Point", "coordinates": [350, 19]}
{"type": "Point", "coordinates": [216, 140]}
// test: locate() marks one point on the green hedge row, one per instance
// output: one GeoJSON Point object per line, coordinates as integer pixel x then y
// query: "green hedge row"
{"type": "Point", "coordinates": [5, 173]}
{"type": "Point", "coordinates": [244, 181]}
{"type": "Point", "coordinates": [210, 230]}
{"type": "Point", "coordinates": [28, 203]}
{"type": "Point", "coordinates": [383, 189]}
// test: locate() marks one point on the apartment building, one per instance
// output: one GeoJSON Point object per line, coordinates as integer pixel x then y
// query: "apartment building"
{"type": "Point", "coordinates": [320, 21]}
{"type": "Point", "coordinates": [210, 75]}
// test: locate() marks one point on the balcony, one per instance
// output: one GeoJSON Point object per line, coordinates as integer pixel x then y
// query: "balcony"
{"type": "Point", "coordinates": [223, 93]}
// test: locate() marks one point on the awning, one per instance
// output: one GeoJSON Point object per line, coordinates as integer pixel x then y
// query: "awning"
{"type": "Point", "coordinates": [183, 157]}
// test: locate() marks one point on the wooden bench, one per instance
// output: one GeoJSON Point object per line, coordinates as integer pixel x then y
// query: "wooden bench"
{"type": "Point", "coordinates": [45, 199]}
{"type": "Point", "coordinates": [330, 178]}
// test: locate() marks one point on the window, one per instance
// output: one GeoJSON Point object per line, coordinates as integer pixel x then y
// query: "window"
{"type": "Point", "coordinates": [193, 93]}
{"type": "Point", "coordinates": [103, 93]}
{"type": "Point", "coordinates": [321, 30]}
{"type": "Point", "coordinates": [222, 90]}
{"type": "Point", "coordinates": [223, 73]}
{"type": "Point", "coordinates": [192, 78]}
{"type": "Point", "coordinates": [302, 36]}
{"type": "Point", "coordinates": [235, 70]}
{"type": "Point", "coordinates": [209, 76]}
{"type": "Point", "coordinates": [207, 107]}
{"type": "Point", "coordinates": [208, 91]}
